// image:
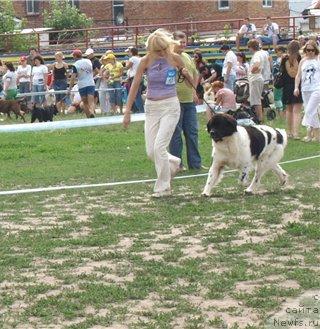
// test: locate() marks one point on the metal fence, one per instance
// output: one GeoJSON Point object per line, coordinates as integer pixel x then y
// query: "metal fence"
{"type": "Point", "coordinates": [113, 37]}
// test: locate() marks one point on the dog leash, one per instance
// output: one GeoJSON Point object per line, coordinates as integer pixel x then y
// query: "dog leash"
{"type": "Point", "coordinates": [181, 78]}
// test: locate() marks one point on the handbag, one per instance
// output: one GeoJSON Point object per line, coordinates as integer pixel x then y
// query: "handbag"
{"type": "Point", "coordinates": [278, 80]}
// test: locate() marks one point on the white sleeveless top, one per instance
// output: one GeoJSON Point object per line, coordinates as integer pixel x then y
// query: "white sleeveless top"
{"type": "Point", "coordinates": [310, 79]}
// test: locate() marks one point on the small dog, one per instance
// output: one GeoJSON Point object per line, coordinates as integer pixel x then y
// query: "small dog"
{"type": "Point", "coordinates": [50, 98]}
{"type": "Point", "coordinates": [243, 148]}
{"type": "Point", "coordinates": [7, 106]}
{"type": "Point", "coordinates": [43, 114]}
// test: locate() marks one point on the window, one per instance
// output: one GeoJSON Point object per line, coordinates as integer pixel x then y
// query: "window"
{"type": "Point", "coordinates": [33, 6]}
{"type": "Point", "coordinates": [267, 3]}
{"type": "Point", "coordinates": [223, 4]}
{"type": "Point", "coordinates": [118, 12]}
{"type": "Point", "coordinates": [75, 3]}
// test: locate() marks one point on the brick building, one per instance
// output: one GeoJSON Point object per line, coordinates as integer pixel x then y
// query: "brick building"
{"type": "Point", "coordinates": [106, 12]}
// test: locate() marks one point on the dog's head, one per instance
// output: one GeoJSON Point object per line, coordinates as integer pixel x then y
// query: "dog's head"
{"type": "Point", "coordinates": [220, 126]}
{"type": "Point", "coordinates": [52, 109]}
{"type": "Point", "coordinates": [50, 97]}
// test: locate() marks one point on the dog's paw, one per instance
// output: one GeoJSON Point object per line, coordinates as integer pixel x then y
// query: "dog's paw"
{"type": "Point", "coordinates": [205, 194]}
{"type": "Point", "coordinates": [248, 192]}
{"type": "Point", "coordinates": [284, 181]}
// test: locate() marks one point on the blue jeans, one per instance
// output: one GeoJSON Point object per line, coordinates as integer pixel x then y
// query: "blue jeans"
{"type": "Point", "coordinates": [61, 84]}
{"type": "Point", "coordinates": [38, 99]}
{"type": "Point", "coordinates": [115, 95]}
{"type": "Point", "coordinates": [188, 124]}
{"type": "Point", "coordinates": [24, 87]}
{"type": "Point", "coordinates": [138, 102]}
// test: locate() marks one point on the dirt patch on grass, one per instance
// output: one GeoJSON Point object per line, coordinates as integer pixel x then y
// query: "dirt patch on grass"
{"type": "Point", "coordinates": [293, 216]}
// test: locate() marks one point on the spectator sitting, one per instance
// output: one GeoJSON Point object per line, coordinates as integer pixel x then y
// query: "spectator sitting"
{"type": "Point", "coordinates": [270, 33]}
{"type": "Point", "coordinates": [76, 103]}
{"type": "Point", "coordinates": [225, 99]}
{"type": "Point", "coordinates": [247, 32]}
{"type": "Point", "coordinates": [204, 77]}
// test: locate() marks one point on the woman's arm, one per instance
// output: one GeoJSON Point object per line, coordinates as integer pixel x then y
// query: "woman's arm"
{"type": "Point", "coordinates": [129, 65]}
{"type": "Point", "coordinates": [45, 79]}
{"type": "Point", "coordinates": [6, 83]}
{"type": "Point", "coordinates": [134, 89]}
{"type": "Point", "coordinates": [297, 80]}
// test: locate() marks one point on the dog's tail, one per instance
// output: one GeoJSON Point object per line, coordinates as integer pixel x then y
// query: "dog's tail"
{"type": "Point", "coordinates": [282, 137]}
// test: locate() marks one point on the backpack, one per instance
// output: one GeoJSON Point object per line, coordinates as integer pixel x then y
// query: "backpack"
{"type": "Point", "coordinates": [241, 90]}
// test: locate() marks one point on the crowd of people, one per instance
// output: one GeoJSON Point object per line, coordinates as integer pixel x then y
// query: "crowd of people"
{"type": "Point", "coordinates": [81, 87]}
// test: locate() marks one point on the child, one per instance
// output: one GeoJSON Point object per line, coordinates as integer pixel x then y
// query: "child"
{"type": "Point", "coordinates": [280, 51]}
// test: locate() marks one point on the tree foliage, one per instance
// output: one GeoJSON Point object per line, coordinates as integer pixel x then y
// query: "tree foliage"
{"type": "Point", "coordinates": [7, 23]}
{"type": "Point", "coordinates": [62, 16]}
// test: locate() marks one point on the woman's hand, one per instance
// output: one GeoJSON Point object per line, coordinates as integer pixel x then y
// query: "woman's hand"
{"type": "Point", "coordinates": [184, 71]}
{"type": "Point", "coordinates": [296, 92]}
{"type": "Point", "coordinates": [126, 119]}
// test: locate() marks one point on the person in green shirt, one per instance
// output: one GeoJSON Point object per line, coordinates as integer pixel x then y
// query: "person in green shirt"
{"type": "Point", "coordinates": [188, 122]}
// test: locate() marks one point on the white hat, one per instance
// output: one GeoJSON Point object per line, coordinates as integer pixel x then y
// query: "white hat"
{"type": "Point", "coordinates": [89, 51]}
{"type": "Point", "coordinates": [128, 49]}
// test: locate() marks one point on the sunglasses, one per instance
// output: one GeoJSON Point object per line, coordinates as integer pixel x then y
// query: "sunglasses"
{"type": "Point", "coordinates": [310, 50]}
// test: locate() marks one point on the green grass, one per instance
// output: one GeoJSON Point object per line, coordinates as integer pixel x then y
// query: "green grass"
{"type": "Point", "coordinates": [114, 256]}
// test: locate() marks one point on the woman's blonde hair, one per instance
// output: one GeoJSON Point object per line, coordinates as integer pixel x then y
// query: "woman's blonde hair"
{"type": "Point", "coordinates": [313, 44]}
{"type": "Point", "coordinates": [60, 54]}
{"type": "Point", "coordinates": [160, 40]}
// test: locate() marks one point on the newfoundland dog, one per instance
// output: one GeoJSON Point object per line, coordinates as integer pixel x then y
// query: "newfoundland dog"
{"type": "Point", "coordinates": [244, 148]}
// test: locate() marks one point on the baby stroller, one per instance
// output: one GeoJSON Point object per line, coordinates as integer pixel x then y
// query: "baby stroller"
{"type": "Point", "coordinates": [241, 91]}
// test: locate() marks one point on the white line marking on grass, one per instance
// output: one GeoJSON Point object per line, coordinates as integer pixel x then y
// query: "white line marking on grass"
{"type": "Point", "coordinates": [130, 182]}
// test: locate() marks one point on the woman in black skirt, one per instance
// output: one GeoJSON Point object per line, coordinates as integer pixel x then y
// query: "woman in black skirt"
{"type": "Point", "coordinates": [293, 104]}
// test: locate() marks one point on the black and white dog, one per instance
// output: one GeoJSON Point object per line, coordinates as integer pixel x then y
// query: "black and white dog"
{"type": "Point", "coordinates": [43, 114]}
{"type": "Point", "coordinates": [244, 148]}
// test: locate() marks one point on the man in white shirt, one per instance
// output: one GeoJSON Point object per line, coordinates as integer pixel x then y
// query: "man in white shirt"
{"type": "Point", "coordinates": [247, 32]}
{"type": "Point", "coordinates": [255, 77]}
{"type": "Point", "coordinates": [229, 69]}
{"type": "Point", "coordinates": [132, 65]}
{"type": "Point", "coordinates": [270, 33]}
{"type": "Point", "coordinates": [266, 61]}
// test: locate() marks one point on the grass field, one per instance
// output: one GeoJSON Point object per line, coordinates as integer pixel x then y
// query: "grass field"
{"type": "Point", "coordinates": [115, 258]}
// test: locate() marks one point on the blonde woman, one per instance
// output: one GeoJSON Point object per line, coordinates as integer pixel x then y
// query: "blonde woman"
{"type": "Point", "coordinates": [309, 77]}
{"type": "Point", "coordinates": [162, 105]}
{"type": "Point", "coordinates": [60, 72]}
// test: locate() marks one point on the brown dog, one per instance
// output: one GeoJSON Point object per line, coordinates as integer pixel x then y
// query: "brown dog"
{"type": "Point", "coordinates": [7, 106]}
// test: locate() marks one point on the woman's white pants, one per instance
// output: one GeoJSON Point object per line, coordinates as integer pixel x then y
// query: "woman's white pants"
{"type": "Point", "coordinates": [162, 117]}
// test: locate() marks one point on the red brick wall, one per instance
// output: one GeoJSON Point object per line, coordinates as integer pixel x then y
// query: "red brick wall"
{"type": "Point", "coordinates": [155, 12]}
